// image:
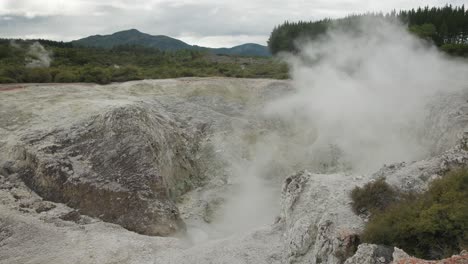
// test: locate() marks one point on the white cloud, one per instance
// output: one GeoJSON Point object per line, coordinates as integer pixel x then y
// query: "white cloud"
{"type": "Point", "coordinates": [223, 41]}
{"type": "Point", "coordinates": [202, 22]}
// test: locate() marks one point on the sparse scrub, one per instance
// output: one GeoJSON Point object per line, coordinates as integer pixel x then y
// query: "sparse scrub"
{"type": "Point", "coordinates": [430, 225]}
{"type": "Point", "coordinates": [38, 75]}
{"type": "Point", "coordinates": [373, 197]}
{"type": "Point", "coordinates": [126, 63]}
{"type": "Point", "coordinates": [95, 75]}
{"type": "Point", "coordinates": [65, 77]}
{"type": "Point", "coordinates": [7, 80]}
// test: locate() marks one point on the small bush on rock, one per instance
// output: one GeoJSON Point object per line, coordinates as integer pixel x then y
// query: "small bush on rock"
{"type": "Point", "coordinates": [430, 225]}
{"type": "Point", "coordinates": [373, 197]}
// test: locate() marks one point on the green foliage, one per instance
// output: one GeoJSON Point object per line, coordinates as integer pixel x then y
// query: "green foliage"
{"type": "Point", "coordinates": [4, 51]}
{"type": "Point", "coordinates": [425, 31]}
{"type": "Point", "coordinates": [7, 80]}
{"type": "Point", "coordinates": [127, 73]}
{"type": "Point", "coordinates": [16, 73]}
{"type": "Point", "coordinates": [37, 75]}
{"type": "Point", "coordinates": [65, 76]}
{"type": "Point", "coordinates": [373, 197]}
{"type": "Point", "coordinates": [456, 49]}
{"type": "Point", "coordinates": [442, 25]}
{"type": "Point", "coordinates": [430, 225]}
{"type": "Point", "coordinates": [129, 62]}
{"type": "Point", "coordinates": [98, 75]}
{"type": "Point", "coordinates": [283, 37]}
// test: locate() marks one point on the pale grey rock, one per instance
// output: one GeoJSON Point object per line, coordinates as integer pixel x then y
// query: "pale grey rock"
{"type": "Point", "coordinates": [319, 224]}
{"type": "Point", "coordinates": [126, 153]}
{"type": "Point", "coordinates": [121, 137]}
{"type": "Point", "coordinates": [125, 166]}
{"type": "Point", "coordinates": [416, 176]}
{"type": "Point", "coordinates": [399, 254]}
{"type": "Point", "coordinates": [371, 254]}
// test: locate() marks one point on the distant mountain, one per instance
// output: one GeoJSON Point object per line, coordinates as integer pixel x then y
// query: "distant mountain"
{"type": "Point", "coordinates": [132, 37]}
{"type": "Point", "coordinates": [248, 49]}
{"type": "Point", "coordinates": [135, 37]}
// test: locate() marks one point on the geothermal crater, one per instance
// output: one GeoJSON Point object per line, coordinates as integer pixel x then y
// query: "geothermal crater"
{"type": "Point", "coordinates": [196, 170]}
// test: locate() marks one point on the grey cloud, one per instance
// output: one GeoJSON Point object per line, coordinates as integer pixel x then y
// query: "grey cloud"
{"type": "Point", "coordinates": [198, 19]}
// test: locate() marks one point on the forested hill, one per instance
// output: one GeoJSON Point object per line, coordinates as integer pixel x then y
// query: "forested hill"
{"type": "Point", "coordinates": [164, 43]}
{"type": "Point", "coordinates": [132, 37]}
{"type": "Point", "coordinates": [446, 26]}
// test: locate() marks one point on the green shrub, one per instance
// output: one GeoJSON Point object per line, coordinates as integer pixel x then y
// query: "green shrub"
{"type": "Point", "coordinates": [38, 75]}
{"type": "Point", "coordinates": [430, 225]}
{"type": "Point", "coordinates": [14, 72]}
{"type": "Point", "coordinates": [424, 31]}
{"type": "Point", "coordinates": [187, 72]}
{"type": "Point", "coordinates": [7, 80]}
{"type": "Point", "coordinates": [456, 49]}
{"type": "Point", "coordinates": [95, 75]}
{"type": "Point", "coordinates": [127, 73]}
{"type": "Point", "coordinates": [65, 77]}
{"type": "Point", "coordinates": [4, 51]}
{"type": "Point", "coordinates": [373, 197]}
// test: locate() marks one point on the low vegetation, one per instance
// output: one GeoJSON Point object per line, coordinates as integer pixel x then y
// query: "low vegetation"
{"type": "Point", "coordinates": [430, 225]}
{"type": "Point", "coordinates": [373, 197]}
{"type": "Point", "coordinates": [125, 63]}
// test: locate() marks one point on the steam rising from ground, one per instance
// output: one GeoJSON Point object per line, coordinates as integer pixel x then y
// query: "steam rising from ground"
{"type": "Point", "coordinates": [365, 92]}
{"type": "Point", "coordinates": [360, 101]}
{"type": "Point", "coordinates": [39, 56]}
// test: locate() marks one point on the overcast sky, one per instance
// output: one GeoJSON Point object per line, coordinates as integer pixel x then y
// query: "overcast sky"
{"type": "Point", "coordinates": [211, 23]}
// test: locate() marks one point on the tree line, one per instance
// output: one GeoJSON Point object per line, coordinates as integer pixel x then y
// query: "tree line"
{"type": "Point", "coordinates": [69, 63]}
{"type": "Point", "coordinates": [446, 26]}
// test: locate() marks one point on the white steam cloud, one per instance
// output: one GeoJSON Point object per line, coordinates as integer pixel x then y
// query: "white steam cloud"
{"type": "Point", "coordinates": [360, 101]}
{"type": "Point", "coordinates": [39, 57]}
{"type": "Point", "coordinates": [365, 92]}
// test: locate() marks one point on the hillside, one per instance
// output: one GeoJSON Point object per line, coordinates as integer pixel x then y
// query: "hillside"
{"type": "Point", "coordinates": [134, 37]}
{"type": "Point", "coordinates": [248, 49]}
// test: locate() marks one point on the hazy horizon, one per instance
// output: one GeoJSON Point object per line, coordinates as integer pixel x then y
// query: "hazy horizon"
{"type": "Point", "coordinates": [205, 23]}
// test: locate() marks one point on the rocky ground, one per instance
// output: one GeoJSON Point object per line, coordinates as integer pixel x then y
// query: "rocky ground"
{"type": "Point", "coordinates": [185, 171]}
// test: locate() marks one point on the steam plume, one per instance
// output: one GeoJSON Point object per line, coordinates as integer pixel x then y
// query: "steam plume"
{"type": "Point", "coordinates": [39, 56]}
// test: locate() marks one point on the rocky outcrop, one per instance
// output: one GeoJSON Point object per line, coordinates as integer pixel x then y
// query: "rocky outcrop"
{"type": "Point", "coordinates": [371, 254]}
{"type": "Point", "coordinates": [456, 259]}
{"type": "Point", "coordinates": [417, 175]}
{"type": "Point", "coordinates": [148, 154]}
{"type": "Point", "coordinates": [376, 254]}
{"type": "Point", "coordinates": [319, 224]}
{"type": "Point", "coordinates": [125, 166]}
{"type": "Point", "coordinates": [316, 215]}
{"type": "Point", "coordinates": [124, 153]}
